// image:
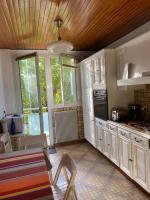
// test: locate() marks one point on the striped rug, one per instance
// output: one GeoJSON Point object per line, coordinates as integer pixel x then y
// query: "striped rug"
{"type": "Point", "coordinates": [24, 176]}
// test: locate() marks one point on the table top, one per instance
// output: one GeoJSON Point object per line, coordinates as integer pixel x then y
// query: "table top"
{"type": "Point", "coordinates": [24, 175]}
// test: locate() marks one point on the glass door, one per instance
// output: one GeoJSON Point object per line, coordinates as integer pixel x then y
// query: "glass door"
{"type": "Point", "coordinates": [33, 92]}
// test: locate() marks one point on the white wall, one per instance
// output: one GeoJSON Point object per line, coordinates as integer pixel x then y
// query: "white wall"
{"type": "Point", "coordinates": [136, 52]}
{"type": "Point", "coordinates": [7, 74]}
{"type": "Point", "coordinates": [2, 104]}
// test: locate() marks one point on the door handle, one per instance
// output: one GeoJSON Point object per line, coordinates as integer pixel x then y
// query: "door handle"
{"type": "Point", "coordinates": [130, 160]}
{"type": "Point", "coordinates": [137, 140]}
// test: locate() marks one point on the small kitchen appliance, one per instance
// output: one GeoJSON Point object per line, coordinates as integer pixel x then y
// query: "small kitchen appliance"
{"type": "Point", "coordinates": [134, 112]}
{"type": "Point", "coordinates": [119, 114]}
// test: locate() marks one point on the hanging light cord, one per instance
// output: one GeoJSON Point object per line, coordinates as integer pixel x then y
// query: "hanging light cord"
{"type": "Point", "coordinates": [58, 28]}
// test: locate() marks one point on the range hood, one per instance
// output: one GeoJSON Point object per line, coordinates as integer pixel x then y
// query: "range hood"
{"type": "Point", "coordinates": [134, 81]}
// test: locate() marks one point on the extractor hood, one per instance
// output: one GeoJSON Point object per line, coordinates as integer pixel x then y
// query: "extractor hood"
{"type": "Point", "coordinates": [134, 81]}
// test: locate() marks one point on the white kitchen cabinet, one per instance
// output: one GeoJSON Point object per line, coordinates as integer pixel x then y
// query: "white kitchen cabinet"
{"type": "Point", "coordinates": [87, 74]}
{"type": "Point", "coordinates": [140, 161]}
{"type": "Point", "coordinates": [107, 143]}
{"type": "Point", "coordinates": [87, 99]}
{"type": "Point", "coordinates": [128, 150]}
{"type": "Point", "coordinates": [114, 147]}
{"type": "Point", "coordinates": [125, 159]}
{"type": "Point", "coordinates": [114, 143]}
{"type": "Point", "coordinates": [99, 71]}
{"type": "Point", "coordinates": [140, 165]}
{"type": "Point", "coordinates": [99, 131]}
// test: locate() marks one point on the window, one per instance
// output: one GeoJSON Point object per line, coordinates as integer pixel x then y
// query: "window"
{"type": "Point", "coordinates": [56, 80]}
{"type": "Point", "coordinates": [63, 80]}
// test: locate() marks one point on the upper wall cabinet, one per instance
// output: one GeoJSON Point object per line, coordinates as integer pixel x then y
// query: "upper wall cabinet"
{"type": "Point", "coordinates": [99, 71]}
{"type": "Point", "coordinates": [87, 74]}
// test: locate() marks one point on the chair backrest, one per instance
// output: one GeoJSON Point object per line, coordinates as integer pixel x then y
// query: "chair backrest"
{"type": "Point", "coordinates": [6, 143]}
{"type": "Point", "coordinates": [67, 164]}
{"type": "Point", "coordinates": [31, 141]}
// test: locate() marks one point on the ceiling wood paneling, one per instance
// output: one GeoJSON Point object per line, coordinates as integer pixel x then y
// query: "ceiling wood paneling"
{"type": "Point", "coordinates": [89, 24]}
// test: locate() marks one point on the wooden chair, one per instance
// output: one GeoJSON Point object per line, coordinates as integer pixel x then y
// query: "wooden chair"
{"type": "Point", "coordinates": [67, 190]}
{"type": "Point", "coordinates": [5, 143]}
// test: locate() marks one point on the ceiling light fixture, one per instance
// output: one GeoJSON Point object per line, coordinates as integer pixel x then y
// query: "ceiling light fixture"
{"type": "Point", "coordinates": [60, 46]}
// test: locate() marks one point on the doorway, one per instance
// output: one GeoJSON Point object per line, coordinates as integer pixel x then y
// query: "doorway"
{"type": "Point", "coordinates": [33, 94]}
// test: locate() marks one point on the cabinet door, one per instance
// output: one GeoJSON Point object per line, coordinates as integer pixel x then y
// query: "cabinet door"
{"type": "Point", "coordinates": [125, 155]}
{"type": "Point", "coordinates": [102, 69]}
{"type": "Point", "coordinates": [99, 137]}
{"type": "Point", "coordinates": [97, 71]}
{"type": "Point", "coordinates": [114, 147]}
{"type": "Point", "coordinates": [86, 127]}
{"type": "Point", "coordinates": [107, 143]}
{"type": "Point", "coordinates": [140, 165]}
{"type": "Point", "coordinates": [87, 74]}
{"type": "Point", "coordinates": [92, 133]}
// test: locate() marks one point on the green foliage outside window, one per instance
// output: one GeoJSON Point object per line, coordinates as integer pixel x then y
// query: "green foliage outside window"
{"type": "Point", "coordinates": [56, 80]}
{"type": "Point", "coordinates": [66, 77]}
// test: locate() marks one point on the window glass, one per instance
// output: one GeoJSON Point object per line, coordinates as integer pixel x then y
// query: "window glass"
{"type": "Point", "coordinates": [68, 61]}
{"type": "Point", "coordinates": [42, 82]}
{"type": "Point", "coordinates": [69, 85]}
{"type": "Point", "coordinates": [64, 81]}
{"type": "Point", "coordinates": [56, 80]}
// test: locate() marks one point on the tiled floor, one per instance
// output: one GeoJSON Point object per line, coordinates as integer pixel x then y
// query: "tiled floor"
{"type": "Point", "coordinates": [97, 178]}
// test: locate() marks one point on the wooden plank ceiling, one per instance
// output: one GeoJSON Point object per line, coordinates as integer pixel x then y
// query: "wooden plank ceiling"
{"type": "Point", "coordinates": [89, 24]}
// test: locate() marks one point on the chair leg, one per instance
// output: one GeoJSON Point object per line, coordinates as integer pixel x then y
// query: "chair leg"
{"type": "Point", "coordinates": [67, 193]}
{"type": "Point", "coordinates": [57, 175]}
{"type": "Point", "coordinates": [66, 175]}
{"type": "Point", "coordinates": [75, 194]}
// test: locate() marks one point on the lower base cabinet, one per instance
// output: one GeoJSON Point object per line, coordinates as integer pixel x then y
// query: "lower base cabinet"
{"type": "Point", "coordinates": [99, 131]}
{"type": "Point", "coordinates": [125, 155]}
{"type": "Point", "coordinates": [127, 150]}
{"type": "Point", "coordinates": [114, 147]}
{"type": "Point", "coordinates": [107, 143]}
{"type": "Point", "coordinates": [140, 165]}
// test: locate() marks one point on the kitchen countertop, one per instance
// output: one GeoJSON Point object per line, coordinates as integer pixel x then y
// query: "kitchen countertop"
{"type": "Point", "coordinates": [145, 134]}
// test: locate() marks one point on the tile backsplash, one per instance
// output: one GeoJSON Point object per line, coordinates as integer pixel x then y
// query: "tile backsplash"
{"type": "Point", "coordinates": [142, 97]}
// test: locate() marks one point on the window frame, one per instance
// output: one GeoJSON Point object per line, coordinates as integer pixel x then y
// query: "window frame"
{"type": "Point", "coordinates": [63, 104]}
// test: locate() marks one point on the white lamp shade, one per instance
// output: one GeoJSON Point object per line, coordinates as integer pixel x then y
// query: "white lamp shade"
{"type": "Point", "coordinates": [60, 46]}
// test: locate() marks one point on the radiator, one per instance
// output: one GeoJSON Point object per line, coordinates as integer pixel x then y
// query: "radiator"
{"type": "Point", "coordinates": [66, 126]}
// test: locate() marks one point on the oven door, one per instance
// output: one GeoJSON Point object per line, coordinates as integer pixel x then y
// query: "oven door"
{"type": "Point", "coordinates": [101, 110]}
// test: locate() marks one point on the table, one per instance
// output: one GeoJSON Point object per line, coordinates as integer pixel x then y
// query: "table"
{"type": "Point", "coordinates": [24, 176]}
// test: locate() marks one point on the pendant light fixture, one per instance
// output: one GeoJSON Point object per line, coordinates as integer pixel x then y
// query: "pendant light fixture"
{"type": "Point", "coordinates": [60, 46]}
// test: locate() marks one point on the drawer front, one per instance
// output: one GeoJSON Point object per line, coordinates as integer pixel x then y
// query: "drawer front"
{"type": "Point", "coordinates": [101, 123]}
{"type": "Point", "coordinates": [112, 127]}
{"type": "Point", "coordinates": [124, 133]}
{"type": "Point", "coordinates": [140, 140]}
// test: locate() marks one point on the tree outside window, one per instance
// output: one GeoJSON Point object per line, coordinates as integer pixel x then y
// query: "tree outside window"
{"type": "Point", "coordinates": [64, 80]}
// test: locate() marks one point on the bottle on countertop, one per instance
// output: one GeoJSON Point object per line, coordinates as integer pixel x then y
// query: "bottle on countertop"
{"type": "Point", "coordinates": [12, 127]}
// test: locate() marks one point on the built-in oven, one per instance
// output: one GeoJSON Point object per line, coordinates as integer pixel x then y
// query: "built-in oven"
{"type": "Point", "coordinates": [100, 102]}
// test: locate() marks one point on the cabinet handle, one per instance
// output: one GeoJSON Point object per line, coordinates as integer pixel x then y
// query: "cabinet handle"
{"type": "Point", "coordinates": [130, 159]}
{"type": "Point", "coordinates": [108, 144]}
{"type": "Point", "coordinates": [123, 134]}
{"type": "Point", "coordinates": [100, 123]}
{"type": "Point", "coordinates": [137, 140]}
{"type": "Point", "coordinates": [100, 139]}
